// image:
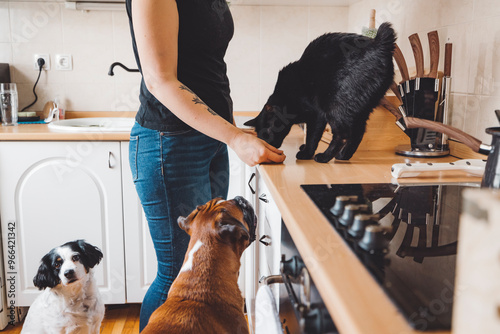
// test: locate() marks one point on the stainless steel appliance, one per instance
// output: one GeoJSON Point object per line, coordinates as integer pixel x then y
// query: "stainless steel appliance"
{"type": "Point", "coordinates": [301, 307]}
{"type": "Point", "coordinates": [406, 236]}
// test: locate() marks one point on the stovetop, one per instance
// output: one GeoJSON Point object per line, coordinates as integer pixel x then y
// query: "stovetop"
{"type": "Point", "coordinates": [406, 236]}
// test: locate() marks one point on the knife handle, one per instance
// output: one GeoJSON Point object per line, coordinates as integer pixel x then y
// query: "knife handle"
{"type": "Point", "coordinates": [400, 61]}
{"type": "Point", "coordinates": [372, 19]}
{"type": "Point", "coordinates": [390, 107]}
{"type": "Point", "coordinates": [434, 51]}
{"type": "Point", "coordinates": [447, 59]}
{"type": "Point", "coordinates": [418, 53]}
{"type": "Point", "coordinates": [395, 90]}
{"type": "Point", "coordinates": [470, 141]}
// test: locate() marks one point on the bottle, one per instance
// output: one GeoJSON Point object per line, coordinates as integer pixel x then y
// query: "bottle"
{"type": "Point", "coordinates": [61, 111]}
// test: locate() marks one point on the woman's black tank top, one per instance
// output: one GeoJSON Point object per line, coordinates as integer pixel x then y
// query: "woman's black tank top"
{"type": "Point", "coordinates": [205, 29]}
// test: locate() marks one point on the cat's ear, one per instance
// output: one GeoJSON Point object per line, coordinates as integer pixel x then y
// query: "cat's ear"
{"type": "Point", "coordinates": [252, 122]}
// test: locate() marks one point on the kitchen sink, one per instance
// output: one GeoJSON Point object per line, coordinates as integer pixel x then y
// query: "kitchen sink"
{"type": "Point", "coordinates": [94, 124]}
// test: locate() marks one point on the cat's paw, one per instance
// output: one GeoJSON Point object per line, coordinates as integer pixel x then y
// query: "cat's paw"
{"type": "Point", "coordinates": [303, 155]}
{"type": "Point", "coordinates": [302, 147]}
{"type": "Point", "coordinates": [343, 156]}
{"type": "Point", "coordinates": [322, 158]}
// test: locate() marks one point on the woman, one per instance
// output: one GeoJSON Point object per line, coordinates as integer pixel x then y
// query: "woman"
{"type": "Point", "coordinates": [178, 152]}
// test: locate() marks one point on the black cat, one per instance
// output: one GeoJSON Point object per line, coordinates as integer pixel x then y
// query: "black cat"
{"type": "Point", "coordinates": [338, 80]}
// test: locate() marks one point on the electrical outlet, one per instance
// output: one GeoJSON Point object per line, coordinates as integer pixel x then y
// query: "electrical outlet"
{"type": "Point", "coordinates": [64, 62]}
{"type": "Point", "coordinates": [45, 57]}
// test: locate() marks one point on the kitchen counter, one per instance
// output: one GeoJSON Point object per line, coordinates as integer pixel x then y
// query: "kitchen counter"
{"type": "Point", "coordinates": [41, 132]}
{"type": "Point", "coordinates": [356, 302]}
{"type": "Point", "coordinates": [354, 299]}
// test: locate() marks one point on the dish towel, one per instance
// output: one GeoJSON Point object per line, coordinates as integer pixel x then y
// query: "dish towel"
{"type": "Point", "coordinates": [267, 320]}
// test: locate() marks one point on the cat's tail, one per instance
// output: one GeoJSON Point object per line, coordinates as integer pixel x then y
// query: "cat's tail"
{"type": "Point", "coordinates": [386, 37]}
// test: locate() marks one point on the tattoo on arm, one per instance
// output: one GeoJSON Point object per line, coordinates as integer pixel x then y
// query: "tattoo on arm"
{"type": "Point", "coordinates": [197, 100]}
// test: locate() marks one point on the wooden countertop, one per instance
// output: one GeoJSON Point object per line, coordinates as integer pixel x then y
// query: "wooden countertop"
{"type": "Point", "coordinates": [353, 297]}
{"type": "Point", "coordinates": [41, 132]}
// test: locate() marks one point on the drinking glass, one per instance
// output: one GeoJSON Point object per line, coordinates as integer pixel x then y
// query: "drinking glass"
{"type": "Point", "coordinates": [8, 103]}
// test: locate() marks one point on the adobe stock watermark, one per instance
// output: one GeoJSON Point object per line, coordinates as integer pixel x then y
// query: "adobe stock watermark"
{"type": "Point", "coordinates": [31, 26]}
{"type": "Point", "coordinates": [436, 307]}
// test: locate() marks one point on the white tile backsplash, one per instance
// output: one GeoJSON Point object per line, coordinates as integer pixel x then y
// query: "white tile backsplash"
{"type": "Point", "coordinates": [266, 39]}
{"type": "Point", "coordinates": [5, 35]}
{"type": "Point", "coordinates": [39, 22]}
{"type": "Point", "coordinates": [284, 38]}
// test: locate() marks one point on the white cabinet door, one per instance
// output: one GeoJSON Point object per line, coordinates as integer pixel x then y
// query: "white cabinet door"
{"type": "Point", "coordinates": [251, 254]}
{"type": "Point", "coordinates": [55, 192]}
{"type": "Point", "coordinates": [139, 250]}
{"type": "Point", "coordinates": [237, 174]}
{"type": "Point", "coordinates": [270, 232]}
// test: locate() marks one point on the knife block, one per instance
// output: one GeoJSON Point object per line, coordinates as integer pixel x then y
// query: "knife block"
{"type": "Point", "coordinates": [437, 143]}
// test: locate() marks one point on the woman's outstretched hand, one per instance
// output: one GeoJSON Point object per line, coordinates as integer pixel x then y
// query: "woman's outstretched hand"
{"type": "Point", "coordinates": [252, 150]}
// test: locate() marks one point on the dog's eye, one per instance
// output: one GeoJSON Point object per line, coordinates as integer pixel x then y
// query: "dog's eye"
{"type": "Point", "coordinates": [76, 258]}
{"type": "Point", "coordinates": [57, 265]}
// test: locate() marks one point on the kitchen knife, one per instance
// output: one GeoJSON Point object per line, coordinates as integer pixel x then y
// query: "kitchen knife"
{"type": "Point", "coordinates": [426, 89]}
{"type": "Point", "coordinates": [442, 114]}
{"type": "Point", "coordinates": [405, 77]}
{"type": "Point", "coordinates": [473, 143]}
{"type": "Point", "coordinates": [396, 112]}
{"type": "Point", "coordinates": [397, 93]}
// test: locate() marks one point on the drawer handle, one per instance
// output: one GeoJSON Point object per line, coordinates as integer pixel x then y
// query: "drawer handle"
{"type": "Point", "coordinates": [263, 240]}
{"type": "Point", "coordinates": [263, 198]}
{"type": "Point", "coordinates": [249, 185]}
{"type": "Point", "coordinates": [109, 159]}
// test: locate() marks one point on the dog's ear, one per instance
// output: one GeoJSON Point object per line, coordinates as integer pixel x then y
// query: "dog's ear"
{"type": "Point", "coordinates": [231, 230]}
{"type": "Point", "coordinates": [46, 277]}
{"type": "Point", "coordinates": [90, 256]}
{"type": "Point", "coordinates": [184, 223]}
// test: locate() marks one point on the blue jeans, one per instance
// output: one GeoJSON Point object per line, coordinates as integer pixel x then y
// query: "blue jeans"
{"type": "Point", "coordinates": [173, 173]}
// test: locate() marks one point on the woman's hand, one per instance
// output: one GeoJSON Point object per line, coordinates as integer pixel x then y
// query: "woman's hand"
{"type": "Point", "coordinates": [252, 150]}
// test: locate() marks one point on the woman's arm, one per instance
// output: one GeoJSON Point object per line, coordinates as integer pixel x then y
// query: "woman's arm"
{"type": "Point", "coordinates": [156, 27]}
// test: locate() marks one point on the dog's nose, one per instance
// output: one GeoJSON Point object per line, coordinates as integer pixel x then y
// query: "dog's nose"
{"type": "Point", "coordinates": [69, 273]}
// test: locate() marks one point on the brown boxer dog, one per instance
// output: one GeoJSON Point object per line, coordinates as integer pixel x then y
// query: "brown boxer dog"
{"type": "Point", "coordinates": [205, 298]}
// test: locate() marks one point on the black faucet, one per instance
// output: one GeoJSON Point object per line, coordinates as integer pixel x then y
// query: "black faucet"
{"type": "Point", "coordinates": [110, 72]}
